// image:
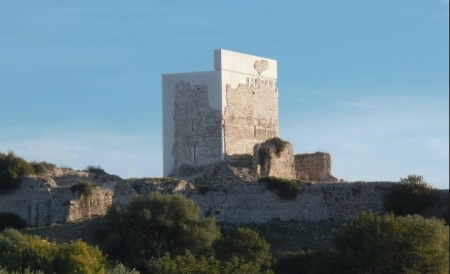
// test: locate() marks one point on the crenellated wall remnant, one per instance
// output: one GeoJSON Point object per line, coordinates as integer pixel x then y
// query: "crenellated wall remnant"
{"type": "Point", "coordinates": [40, 203]}
{"type": "Point", "coordinates": [315, 167]}
{"type": "Point", "coordinates": [275, 158]}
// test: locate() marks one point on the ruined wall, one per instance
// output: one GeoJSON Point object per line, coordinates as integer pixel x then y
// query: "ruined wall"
{"type": "Point", "coordinates": [197, 137]}
{"type": "Point", "coordinates": [274, 157]}
{"type": "Point", "coordinates": [89, 207]}
{"type": "Point", "coordinates": [250, 116]}
{"type": "Point", "coordinates": [39, 203]}
{"type": "Point", "coordinates": [254, 203]}
{"type": "Point", "coordinates": [314, 167]}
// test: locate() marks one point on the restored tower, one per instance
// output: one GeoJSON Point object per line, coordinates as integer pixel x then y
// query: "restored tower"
{"type": "Point", "coordinates": [211, 116]}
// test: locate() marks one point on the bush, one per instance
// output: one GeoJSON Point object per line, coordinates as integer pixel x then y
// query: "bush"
{"type": "Point", "coordinates": [246, 245]}
{"type": "Point", "coordinates": [186, 263]}
{"type": "Point", "coordinates": [406, 244]}
{"type": "Point", "coordinates": [84, 188]}
{"type": "Point", "coordinates": [153, 225]}
{"type": "Point", "coordinates": [285, 189]}
{"type": "Point", "coordinates": [305, 261]}
{"type": "Point", "coordinates": [42, 168]}
{"type": "Point", "coordinates": [412, 195]}
{"type": "Point", "coordinates": [96, 170]}
{"type": "Point", "coordinates": [18, 251]}
{"type": "Point", "coordinates": [12, 169]}
{"type": "Point", "coordinates": [11, 220]}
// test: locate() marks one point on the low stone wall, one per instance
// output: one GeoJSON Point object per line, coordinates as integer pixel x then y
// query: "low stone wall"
{"type": "Point", "coordinates": [315, 167]}
{"type": "Point", "coordinates": [39, 203]}
{"type": "Point", "coordinates": [254, 203]}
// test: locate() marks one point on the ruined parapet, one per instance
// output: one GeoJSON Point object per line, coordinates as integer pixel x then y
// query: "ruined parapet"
{"type": "Point", "coordinates": [68, 177]}
{"type": "Point", "coordinates": [315, 167]}
{"type": "Point", "coordinates": [274, 157]}
{"type": "Point", "coordinates": [220, 172]}
{"type": "Point", "coordinates": [87, 207]}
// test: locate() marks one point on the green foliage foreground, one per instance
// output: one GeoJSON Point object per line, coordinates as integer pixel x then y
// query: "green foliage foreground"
{"type": "Point", "coordinates": [19, 252]}
{"type": "Point", "coordinates": [390, 244]}
{"type": "Point", "coordinates": [412, 195]}
{"type": "Point", "coordinates": [12, 169]}
{"type": "Point", "coordinates": [284, 188]}
{"type": "Point", "coordinates": [155, 224]}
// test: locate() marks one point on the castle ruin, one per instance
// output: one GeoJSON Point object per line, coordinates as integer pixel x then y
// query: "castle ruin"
{"type": "Point", "coordinates": [221, 116]}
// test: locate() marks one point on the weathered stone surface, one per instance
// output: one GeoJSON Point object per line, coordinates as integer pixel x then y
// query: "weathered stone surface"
{"type": "Point", "coordinates": [197, 136]}
{"type": "Point", "coordinates": [274, 157]}
{"type": "Point", "coordinates": [211, 116]}
{"type": "Point", "coordinates": [314, 167]}
{"type": "Point", "coordinates": [250, 117]}
{"type": "Point", "coordinates": [253, 203]}
{"type": "Point", "coordinates": [39, 203]}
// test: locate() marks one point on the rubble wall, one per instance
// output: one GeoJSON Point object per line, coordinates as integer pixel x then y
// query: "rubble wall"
{"type": "Point", "coordinates": [314, 167]}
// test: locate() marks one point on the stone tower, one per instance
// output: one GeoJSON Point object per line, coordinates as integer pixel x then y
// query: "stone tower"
{"type": "Point", "coordinates": [214, 115]}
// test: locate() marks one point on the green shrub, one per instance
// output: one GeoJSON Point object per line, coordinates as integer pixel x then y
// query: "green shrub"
{"type": "Point", "coordinates": [11, 220]}
{"type": "Point", "coordinates": [185, 263]}
{"type": "Point", "coordinates": [18, 251]}
{"type": "Point", "coordinates": [12, 169]}
{"type": "Point", "coordinates": [154, 224]}
{"type": "Point", "coordinates": [412, 195]}
{"type": "Point", "coordinates": [246, 245]}
{"type": "Point", "coordinates": [42, 168]}
{"type": "Point", "coordinates": [275, 145]}
{"type": "Point", "coordinates": [389, 244]}
{"type": "Point", "coordinates": [305, 261]}
{"type": "Point", "coordinates": [96, 170]}
{"type": "Point", "coordinates": [119, 268]}
{"type": "Point", "coordinates": [84, 188]}
{"type": "Point", "coordinates": [285, 189]}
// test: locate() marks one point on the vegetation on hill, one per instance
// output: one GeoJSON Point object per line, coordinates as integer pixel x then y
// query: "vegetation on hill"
{"type": "Point", "coordinates": [164, 234]}
{"type": "Point", "coordinates": [10, 220]}
{"type": "Point", "coordinates": [284, 188]}
{"type": "Point", "coordinates": [412, 195]}
{"type": "Point", "coordinates": [84, 188]}
{"type": "Point", "coordinates": [12, 169]}
{"type": "Point", "coordinates": [389, 244]}
{"type": "Point", "coordinates": [19, 252]}
{"type": "Point", "coordinates": [153, 225]}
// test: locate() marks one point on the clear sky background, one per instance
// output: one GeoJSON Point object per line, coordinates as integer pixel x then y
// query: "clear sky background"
{"type": "Point", "coordinates": [367, 81]}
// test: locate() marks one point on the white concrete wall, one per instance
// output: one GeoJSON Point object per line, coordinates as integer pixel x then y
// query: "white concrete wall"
{"type": "Point", "coordinates": [233, 69]}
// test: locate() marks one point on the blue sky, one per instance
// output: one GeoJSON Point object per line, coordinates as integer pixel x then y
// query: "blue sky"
{"type": "Point", "coordinates": [367, 81]}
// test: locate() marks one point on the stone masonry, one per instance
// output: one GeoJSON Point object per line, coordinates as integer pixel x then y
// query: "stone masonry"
{"type": "Point", "coordinates": [211, 116]}
{"type": "Point", "coordinates": [274, 158]}
{"type": "Point", "coordinates": [315, 167]}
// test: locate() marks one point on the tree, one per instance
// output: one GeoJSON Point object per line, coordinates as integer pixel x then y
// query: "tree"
{"type": "Point", "coordinates": [412, 195]}
{"type": "Point", "coordinates": [406, 244]}
{"type": "Point", "coordinates": [12, 169]}
{"type": "Point", "coordinates": [305, 261]}
{"type": "Point", "coordinates": [155, 224]}
{"type": "Point", "coordinates": [183, 264]}
{"type": "Point", "coordinates": [190, 264]}
{"type": "Point", "coordinates": [244, 246]}
{"type": "Point", "coordinates": [11, 220]}
{"type": "Point", "coordinates": [19, 252]}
